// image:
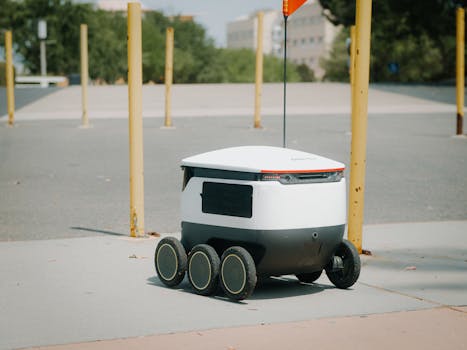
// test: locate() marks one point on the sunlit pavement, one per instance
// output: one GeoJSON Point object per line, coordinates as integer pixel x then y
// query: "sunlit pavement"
{"type": "Point", "coordinates": [69, 273]}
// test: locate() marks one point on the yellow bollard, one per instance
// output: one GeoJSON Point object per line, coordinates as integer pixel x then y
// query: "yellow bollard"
{"type": "Point", "coordinates": [353, 45]}
{"type": "Point", "coordinates": [259, 70]}
{"type": "Point", "coordinates": [10, 83]}
{"type": "Point", "coordinates": [359, 123]}
{"type": "Point", "coordinates": [135, 87]}
{"type": "Point", "coordinates": [84, 74]}
{"type": "Point", "coordinates": [460, 43]}
{"type": "Point", "coordinates": [169, 49]}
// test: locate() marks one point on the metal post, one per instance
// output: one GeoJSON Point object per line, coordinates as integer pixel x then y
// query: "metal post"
{"type": "Point", "coordinates": [353, 45]}
{"type": "Point", "coordinates": [460, 43]}
{"type": "Point", "coordinates": [284, 122]}
{"type": "Point", "coordinates": [10, 83]}
{"type": "Point", "coordinates": [359, 123]}
{"type": "Point", "coordinates": [135, 87]}
{"type": "Point", "coordinates": [259, 70]}
{"type": "Point", "coordinates": [169, 48]}
{"type": "Point", "coordinates": [84, 74]}
{"type": "Point", "coordinates": [43, 63]}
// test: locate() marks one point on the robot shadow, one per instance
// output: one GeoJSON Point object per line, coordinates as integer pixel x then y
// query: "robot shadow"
{"type": "Point", "coordinates": [266, 288]}
{"type": "Point", "coordinates": [285, 287]}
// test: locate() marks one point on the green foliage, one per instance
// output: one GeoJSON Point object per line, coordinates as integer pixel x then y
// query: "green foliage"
{"type": "Point", "coordinates": [196, 59]}
{"type": "Point", "coordinates": [107, 46]}
{"type": "Point", "coordinates": [238, 66]}
{"type": "Point", "coordinates": [418, 60]}
{"type": "Point", "coordinates": [336, 65]}
{"type": "Point", "coordinates": [418, 35]}
{"type": "Point", "coordinates": [306, 74]}
{"type": "Point", "coordinates": [273, 70]}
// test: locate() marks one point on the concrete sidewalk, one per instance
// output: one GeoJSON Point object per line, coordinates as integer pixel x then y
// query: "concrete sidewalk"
{"type": "Point", "coordinates": [96, 288]}
{"type": "Point", "coordinates": [208, 100]}
{"type": "Point", "coordinates": [432, 329]}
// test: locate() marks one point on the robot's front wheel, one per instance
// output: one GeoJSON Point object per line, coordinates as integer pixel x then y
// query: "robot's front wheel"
{"type": "Point", "coordinates": [347, 274]}
{"type": "Point", "coordinates": [203, 269]}
{"type": "Point", "coordinates": [237, 273]}
{"type": "Point", "coordinates": [170, 260]}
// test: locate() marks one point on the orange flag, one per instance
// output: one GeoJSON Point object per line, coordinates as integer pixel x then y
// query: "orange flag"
{"type": "Point", "coordinates": [290, 6]}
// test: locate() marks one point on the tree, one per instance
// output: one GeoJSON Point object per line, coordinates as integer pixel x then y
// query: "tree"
{"type": "Point", "coordinates": [196, 59]}
{"type": "Point", "coordinates": [107, 46]}
{"type": "Point", "coordinates": [336, 66]}
{"type": "Point", "coordinates": [410, 41]}
{"type": "Point", "coordinates": [306, 74]}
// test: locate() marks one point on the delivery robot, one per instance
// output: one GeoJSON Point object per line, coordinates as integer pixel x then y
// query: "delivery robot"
{"type": "Point", "coordinates": [259, 211]}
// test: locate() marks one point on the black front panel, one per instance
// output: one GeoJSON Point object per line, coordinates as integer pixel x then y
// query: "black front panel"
{"type": "Point", "coordinates": [227, 199]}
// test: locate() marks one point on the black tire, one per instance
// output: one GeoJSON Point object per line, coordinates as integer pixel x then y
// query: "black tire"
{"type": "Point", "coordinates": [347, 276]}
{"type": "Point", "coordinates": [170, 260]}
{"type": "Point", "coordinates": [203, 269]}
{"type": "Point", "coordinates": [237, 273]}
{"type": "Point", "coordinates": [309, 277]}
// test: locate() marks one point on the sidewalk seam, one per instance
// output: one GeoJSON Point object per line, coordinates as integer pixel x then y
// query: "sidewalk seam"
{"type": "Point", "coordinates": [441, 305]}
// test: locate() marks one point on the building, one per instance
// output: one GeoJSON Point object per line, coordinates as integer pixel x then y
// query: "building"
{"type": "Point", "coordinates": [241, 33]}
{"type": "Point", "coordinates": [310, 35]}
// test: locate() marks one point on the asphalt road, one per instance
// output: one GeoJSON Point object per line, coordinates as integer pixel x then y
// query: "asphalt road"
{"type": "Point", "coordinates": [57, 180]}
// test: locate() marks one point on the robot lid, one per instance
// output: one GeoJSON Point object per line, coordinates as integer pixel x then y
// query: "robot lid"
{"type": "Point", "coordinates": [263, 159]}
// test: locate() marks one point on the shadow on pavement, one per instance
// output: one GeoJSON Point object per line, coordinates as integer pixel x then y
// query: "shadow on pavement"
{"type": "Point", "coordinates": [24, 96]}
{"type": "Point", "coordinates": [97, 231]}
{"type": "Point", "coordinates": [285, 287]}
{"type": "Point", "coordinates": [434, 92]}
{"type": "Point", "coordinates": [268, 288]}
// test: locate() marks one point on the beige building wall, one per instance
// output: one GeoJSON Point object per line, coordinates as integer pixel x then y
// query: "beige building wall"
{"type": "Point", "coordinates": [241, 33]}
{"type": "Point", "coordinates": [310, 36]}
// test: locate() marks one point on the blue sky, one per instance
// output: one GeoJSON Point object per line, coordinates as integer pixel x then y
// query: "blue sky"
{"type": "Point", "coordinates": [212, 14]}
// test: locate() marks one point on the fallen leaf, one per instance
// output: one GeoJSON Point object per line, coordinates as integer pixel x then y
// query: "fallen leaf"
{"type": "Point", "coordinates": [134, 256]}
{"type": "Point", "coordinates": [154, 234]}
{"type": "Point", "coordinates": [410, 268]}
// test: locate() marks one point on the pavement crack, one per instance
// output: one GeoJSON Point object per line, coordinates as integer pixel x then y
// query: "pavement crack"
{"type": "Point", "coordinates": [438, 304]}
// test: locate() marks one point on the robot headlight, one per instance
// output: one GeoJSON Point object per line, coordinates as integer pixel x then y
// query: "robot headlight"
{"type": "Point", "coordinates": [303, 178]}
